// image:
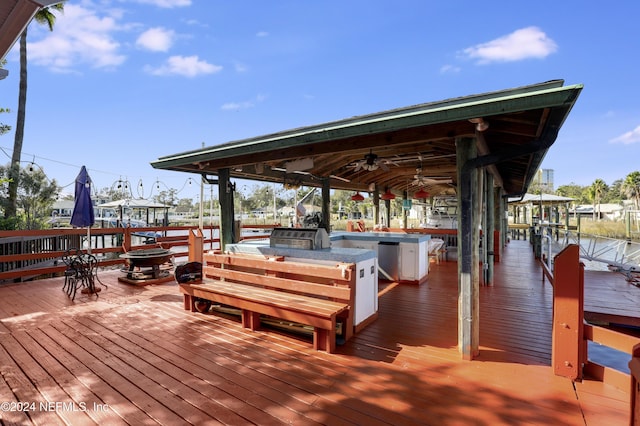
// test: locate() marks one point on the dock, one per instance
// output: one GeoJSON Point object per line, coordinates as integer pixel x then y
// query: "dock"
{"type": "Point", "coordinates": [133, 355]}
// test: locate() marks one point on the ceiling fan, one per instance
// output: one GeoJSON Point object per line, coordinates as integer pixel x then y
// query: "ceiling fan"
{"type": "Point", "coordinates": [372, 162]}
{"type": "Point", "coordinates": [420, 180]}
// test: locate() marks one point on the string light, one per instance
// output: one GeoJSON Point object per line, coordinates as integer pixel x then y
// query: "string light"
{"type": "Point", "coordinates": [123, 184]}
{"type": "Point", "coordinates": [125, 188]}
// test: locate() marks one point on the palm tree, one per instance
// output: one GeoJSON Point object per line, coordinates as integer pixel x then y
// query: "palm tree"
{"type": "Point", "coordinates": [43, 16]}
{"type": "Point", "coordinates": [631, 187]}
{"type": "Point", "coordinates": [597, 189]}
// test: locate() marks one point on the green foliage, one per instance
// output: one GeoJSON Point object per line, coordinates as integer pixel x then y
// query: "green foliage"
{"type": "Point", "coordinates": [36, 195]}
{"type": "Point", "coordinates": [168, 197]}
{"type": "Point", "coordinates": [4, 128]}
{"type": "Point", "coordinates": [631, 187]}
{"type": "Point", "coordinates": [572, 190]}
{"type": "Point", "coordinates": [600, 192]}
{"type": "Point", "coordinates": [184, 205]}
{"type": "Point", "coordinates": [9, 224]}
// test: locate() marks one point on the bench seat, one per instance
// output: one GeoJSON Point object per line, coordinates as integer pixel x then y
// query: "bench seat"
{"type": "Point", "coordinates": [314, 295]}
{"type": "Point", "coordinates": [253, 301]}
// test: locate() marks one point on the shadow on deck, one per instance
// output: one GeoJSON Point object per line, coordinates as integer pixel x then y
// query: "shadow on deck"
{"type": "Point", "coordinates": [134, 356]}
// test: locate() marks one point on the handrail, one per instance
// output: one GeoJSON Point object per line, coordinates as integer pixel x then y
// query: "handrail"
{"type": "Point", "coordinates": [571, 332]}
{"type": "Point", "coordinates": [28, 254]}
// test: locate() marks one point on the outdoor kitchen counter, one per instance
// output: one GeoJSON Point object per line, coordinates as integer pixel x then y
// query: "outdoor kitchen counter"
{"type": "Point", "coordinates": [401, 257]}
{"type": "Point", "coordinates": [366, 289]}
{"type": "Point", "coordinates": [333, 254]}
{"type": "Point", "coordinates": [380, 237]}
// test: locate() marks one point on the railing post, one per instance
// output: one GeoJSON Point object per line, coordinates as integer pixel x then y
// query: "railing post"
{"type": "Point", "coordinates": [568, 351]}
{"type": "Point", "coordinates": [126, 243]}
{"type": "Point", "coordinates": [196, 245]}
{"type": "Point", "coordinates": [634, 396]}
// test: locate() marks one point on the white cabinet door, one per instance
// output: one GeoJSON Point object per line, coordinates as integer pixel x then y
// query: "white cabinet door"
{"type": "Point", "coordinates": [366, 303]}
{"type": "Point", "coordinates": [408, 261]}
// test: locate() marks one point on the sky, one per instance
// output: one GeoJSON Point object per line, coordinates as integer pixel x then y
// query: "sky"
{"type": "Point", "coordinates": [119, 83]}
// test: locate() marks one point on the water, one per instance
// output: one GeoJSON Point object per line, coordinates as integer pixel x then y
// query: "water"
{"type": "Point", "coordinates": [597, 253]}
{"type": "Point", "coordinates": [609, 357]}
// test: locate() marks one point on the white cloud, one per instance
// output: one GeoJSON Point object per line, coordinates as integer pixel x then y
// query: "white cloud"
{"type": "Point", "coordinates": [188, 66]}
{"type": "Point", "coordinates": [630, 137]}
{"type": "Point", "coordinates": [449, 69]}
{"type": "Point", "coordinates": [79, 36]}
{"type": "Point", "coordinates": [156, 39]}
{"type": "Point", "coordinates": [262, 34]}
{"type": "Point", "coordinates": [521, 44]}
{"type": "Point", "coordinates": [234, 106]}
{"type": "Point", "coordinates": [167, 4]}
{"type": "Point", "coordinates": [240, 67]}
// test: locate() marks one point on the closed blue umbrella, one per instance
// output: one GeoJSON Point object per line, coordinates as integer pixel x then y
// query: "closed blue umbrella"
{"type": "Point", "coordinates": [83, 215]}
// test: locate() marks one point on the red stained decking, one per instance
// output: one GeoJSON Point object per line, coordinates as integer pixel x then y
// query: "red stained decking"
{"type": "Point", "coordinates": [134, 356]}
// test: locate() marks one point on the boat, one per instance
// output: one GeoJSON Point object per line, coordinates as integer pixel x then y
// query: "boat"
{"type": "Point", "coordinates": [443, 213]}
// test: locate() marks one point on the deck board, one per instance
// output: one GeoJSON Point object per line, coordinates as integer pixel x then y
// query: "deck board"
{"type": "Point", "coordinates": [135, 352]}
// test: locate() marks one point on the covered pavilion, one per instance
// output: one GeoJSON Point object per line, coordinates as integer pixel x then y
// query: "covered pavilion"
{"type": "Point", "coordinates": [138, 207]}
{"type": "Point", "coordinates": [484, 148]}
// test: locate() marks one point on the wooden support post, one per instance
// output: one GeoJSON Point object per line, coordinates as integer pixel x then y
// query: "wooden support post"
{"type": "Point", "coordinates": [326, 205]}
{"type": "Point", "coordinates": [468, 238]}
{"type": "Point", "coordinates": [387, 205]}
{"type": "Point", "coordinates": [405, 213]}
{"type": "Point", "coordinates": [376, 206]}
{"type": "Point", "coordinates": [225, 195]}
{"type": "Point", "coordinates": [568, 351]}
{"type": "Point", "coordinates": [501, 224]}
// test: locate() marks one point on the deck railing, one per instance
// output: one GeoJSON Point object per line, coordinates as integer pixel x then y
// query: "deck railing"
{"type": "Point", "coordinates": [29, 254]}
{"type": "Point", "coordinates": [570, 335]}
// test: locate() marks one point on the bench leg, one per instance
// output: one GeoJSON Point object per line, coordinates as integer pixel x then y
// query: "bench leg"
{"type": "Point", "coordinates": [250, 320]}
{"type": "Point", "coordinates": [189, 304]}
{"type": "Point", "coordinates": [324, 340]}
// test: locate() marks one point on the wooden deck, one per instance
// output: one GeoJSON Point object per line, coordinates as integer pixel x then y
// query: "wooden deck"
{"type": "Point", "coordinates": [135, 356]}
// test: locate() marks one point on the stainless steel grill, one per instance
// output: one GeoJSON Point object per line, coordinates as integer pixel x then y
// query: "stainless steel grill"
{"type": "Point", "coordinates": [300, 238]}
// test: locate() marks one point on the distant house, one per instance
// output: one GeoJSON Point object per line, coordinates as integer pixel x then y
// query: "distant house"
{"type": "Point", "coordinates": [286, 211]}
{"type": "Point", "coordinates": [608, 211]}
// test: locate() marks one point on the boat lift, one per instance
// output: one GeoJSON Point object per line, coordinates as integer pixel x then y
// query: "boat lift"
{"type": "Point", "coordinates": [619, 255]}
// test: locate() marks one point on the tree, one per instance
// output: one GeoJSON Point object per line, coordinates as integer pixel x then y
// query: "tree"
{"type": "Point", "coordinates": [571, 190]}
{"type": "Point", "coordinates": [43, 16]}
{"type": "Point", "coordinates": [184, 205]}
{"type": "Point", "coordinates": [597, 189]}
{"type": "Point", "coordinates": [4, 128]}
{"type": "Point", "coordinates": [168, 197]}
{"type": "Point", "coordinates": [614, 194]}
{"type": "Point", "coordinates": [631, 187]}
{"type": "Point", "coordinates": [36, 195]}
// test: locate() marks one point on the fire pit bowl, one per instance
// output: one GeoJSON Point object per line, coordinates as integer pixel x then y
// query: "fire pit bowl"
{"type": "Point", "coordinates": [147, 257]}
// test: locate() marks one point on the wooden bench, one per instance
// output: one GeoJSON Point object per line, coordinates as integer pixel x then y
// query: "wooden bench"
{"type": "Point", "coordinates": [311, 294]}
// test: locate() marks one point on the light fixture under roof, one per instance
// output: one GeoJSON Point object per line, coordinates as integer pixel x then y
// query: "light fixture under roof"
{"type": "Point", "coordinates": [388, 195]}
{"type": "Point", "coordinates": [357, 197]}
{"type": "Point", "coordinates": [481, 125]}
{"type": "Point", "coordinates": [370, 167]}
{"type": "Point", "coordinates": [421, 194]}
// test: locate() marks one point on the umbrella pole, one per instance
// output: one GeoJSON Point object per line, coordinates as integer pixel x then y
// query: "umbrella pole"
{"type": "Point", "coordinates": [89, 239]}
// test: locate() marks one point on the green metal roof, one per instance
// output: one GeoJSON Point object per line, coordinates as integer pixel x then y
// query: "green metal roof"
{"type": "Point", "coordinates": [523, 124]}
